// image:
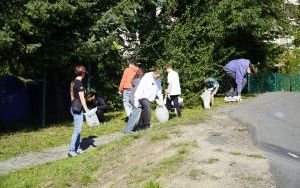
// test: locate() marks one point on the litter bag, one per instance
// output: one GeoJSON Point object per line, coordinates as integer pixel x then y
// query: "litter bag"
{"type": "Point", "coordinates": [162, 113]}
{"type": "Point", "coordinates": [206, 96]}
{"type": "Point", "coordinates": [92, 119]}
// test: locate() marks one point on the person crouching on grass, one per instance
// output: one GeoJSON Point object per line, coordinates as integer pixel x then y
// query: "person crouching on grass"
{"type": "Point", "coordinates": [94, 101]}
{"type": "Point", "coordinates": [212, 85]}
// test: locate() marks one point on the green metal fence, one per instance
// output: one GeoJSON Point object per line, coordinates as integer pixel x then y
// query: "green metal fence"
{"type": "Point", "coordinates": [270, 82]}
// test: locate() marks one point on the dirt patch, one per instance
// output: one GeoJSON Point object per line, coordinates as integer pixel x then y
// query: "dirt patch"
{"type": "Point", "coordinates": [217, 153]}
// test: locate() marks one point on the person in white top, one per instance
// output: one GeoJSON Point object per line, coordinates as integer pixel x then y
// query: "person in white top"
{"type": "Point", "coordinates": [173, 91]}
{"type": "Point", "coordinates": [148, 89]}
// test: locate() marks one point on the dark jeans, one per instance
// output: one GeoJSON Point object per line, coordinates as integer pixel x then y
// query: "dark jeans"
{"type": "Point", "coordinates": [145, 114]}
{"type": "Point", "coordinates": [174, 98]}
{"type": "Point", "coordinates": [233, 92]}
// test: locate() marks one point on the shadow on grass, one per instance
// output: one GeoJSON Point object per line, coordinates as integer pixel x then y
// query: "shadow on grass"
{"type": "Point", "coordinates": [88, 142]}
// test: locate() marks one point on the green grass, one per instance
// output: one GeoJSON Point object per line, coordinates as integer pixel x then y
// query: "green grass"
{"type": "Point", "coordinates": [256, 156]}
{"type": "Point", "coordinates": [160, 136]}
{"type": "Point", "coordinates": [235, 153]}
{"type": "Point", "coordinates": [66, 172]}
{"type": "Point", "coordinates": [152, 184]}
{"type": "Point", "coordinates": [81, 170]}
{"type": "Point", "coordinates": [194, 174]}
{"type": "Point", "coordinates": [212, 160]}
{"type": "Point", "coordinates": [55, 135]}
{"type": "Point", "coordinates": [170, 164]}
{"type": "Point", "coordinates": [218, 150]}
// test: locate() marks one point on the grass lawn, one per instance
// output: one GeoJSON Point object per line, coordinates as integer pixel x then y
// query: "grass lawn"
{"type": "Point", "coordinates": [55, 135]}
{"type": "Point", "coordinates": [79, 170]}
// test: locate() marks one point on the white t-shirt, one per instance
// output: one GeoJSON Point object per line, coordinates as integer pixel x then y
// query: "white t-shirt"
{"type": "Point", "coordinates": [173, 79]}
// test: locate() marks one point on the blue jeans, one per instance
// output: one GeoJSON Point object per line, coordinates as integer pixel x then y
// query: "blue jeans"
{"type": "Point", "coordinates": [75, 140]}
{"type": "Point", "coordinates": [132, 120]}
{"type": "Point", "coordinates": [126, 102]}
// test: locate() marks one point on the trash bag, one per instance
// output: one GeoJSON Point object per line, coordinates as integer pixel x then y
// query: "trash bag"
{"type": "Point", "coordinates": [92, 119]}
{"type": "Point", "coordinates": [206, 96]}
{"type": "Point", "coordinates": [162, 113]}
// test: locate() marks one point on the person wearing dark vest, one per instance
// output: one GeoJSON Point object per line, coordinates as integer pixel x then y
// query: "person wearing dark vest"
{"type": "Point", "coordinates": [78, 105]}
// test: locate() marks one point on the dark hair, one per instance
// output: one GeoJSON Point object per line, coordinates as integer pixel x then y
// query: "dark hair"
{"type": "Point", "coordinates": [80, 70]}
{"type": "Point", "coordinates": [157, 70]}
{"type": "Point", "coordinates": [131, 61]}
{"type": "Point", "coordinates": [140, 73]}
{"type": "Point", "coordinates": [253, 69]}
{"type": "Point", "coordinates": [169, 66]}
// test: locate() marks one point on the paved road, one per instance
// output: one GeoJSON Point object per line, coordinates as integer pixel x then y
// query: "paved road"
{"type": "Point", "coordinates": [274, 122]}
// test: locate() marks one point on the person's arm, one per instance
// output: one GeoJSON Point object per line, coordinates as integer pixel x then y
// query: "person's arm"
{"type": "Point", "coordinates": [169, 88]}
{"type": "Point", "coordinates": [123, 80]}
{"type": "Point", "coordinates": [159, 90]}
{"type": "Point", "coordinates": [82, 100]}
{"type": "Point", "coordinates": [216, 89]}
{"type": "Point", "coordinates": [169, 79]}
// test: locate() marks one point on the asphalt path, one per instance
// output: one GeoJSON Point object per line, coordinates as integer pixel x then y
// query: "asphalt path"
{"type": "Point", "coordinates": [274, 125]}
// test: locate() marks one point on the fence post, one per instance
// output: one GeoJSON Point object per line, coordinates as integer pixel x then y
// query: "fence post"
{"type": "Point", "coordinates": [249, 85]}
{"type": "Point", "coordinates": [276, 82]}
{"type": "Point", "coordinates": [44, 100]}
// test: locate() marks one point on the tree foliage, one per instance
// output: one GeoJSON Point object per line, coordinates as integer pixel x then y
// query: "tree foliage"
{"type": "Point", "coordinates": [198, 37]}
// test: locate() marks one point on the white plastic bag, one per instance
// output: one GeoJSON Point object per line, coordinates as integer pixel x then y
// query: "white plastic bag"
{"type": "Point", "coordinates": [162, 113]}
{"type": "Point", "coordinates": [92, 119]}
{"type": "Point", "coordinates": [206, 96]}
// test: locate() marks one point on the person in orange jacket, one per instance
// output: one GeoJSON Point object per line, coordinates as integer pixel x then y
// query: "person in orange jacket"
{"type": "Point", "coordinates": [125, 86]}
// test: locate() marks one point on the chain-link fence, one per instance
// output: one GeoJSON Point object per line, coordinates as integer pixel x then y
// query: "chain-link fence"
{"type": "Point", "coordinates": [270, 82]}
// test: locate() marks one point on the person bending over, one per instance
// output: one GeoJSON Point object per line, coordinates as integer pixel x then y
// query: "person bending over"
{"type": "Point", "coordinates": [94, 101]}
{"type": "Point", "coordinates": [237, 71]}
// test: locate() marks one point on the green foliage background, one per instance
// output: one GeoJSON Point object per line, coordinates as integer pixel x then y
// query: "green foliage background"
{"type": "Point", "coordinates": [58, 34]}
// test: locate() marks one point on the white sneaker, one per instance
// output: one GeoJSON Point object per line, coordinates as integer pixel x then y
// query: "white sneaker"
{"type": "Point", "coordinates": [236, 98]}
{"type": "Point", "coordinates": [228, 99]}
{"type": "Point", "coordinates": [80, 151]}
{"type": "Point", "coordinates": [72, 154]}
